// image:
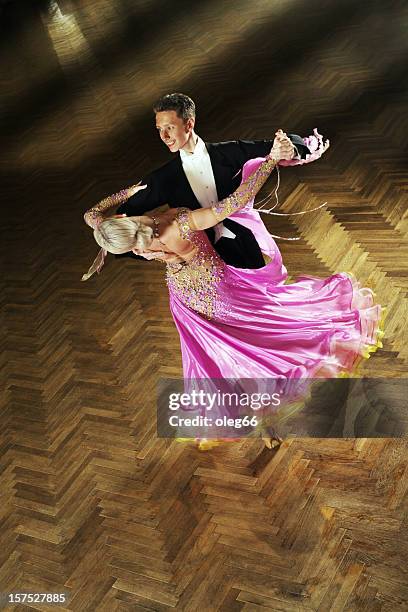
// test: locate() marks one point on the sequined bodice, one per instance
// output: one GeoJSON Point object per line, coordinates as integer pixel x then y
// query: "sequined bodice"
{"type": "Point", "coordinates": [196, 281]}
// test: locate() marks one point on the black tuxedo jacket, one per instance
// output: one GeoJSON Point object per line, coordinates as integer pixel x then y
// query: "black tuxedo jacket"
{"type": "Point", "coordinates": [169, 185]}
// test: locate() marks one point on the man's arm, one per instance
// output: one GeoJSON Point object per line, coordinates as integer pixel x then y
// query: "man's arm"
{"type": "Point", "coordinates": [247, 149]}
{"type": "Point", "coordinates": [250, 149]}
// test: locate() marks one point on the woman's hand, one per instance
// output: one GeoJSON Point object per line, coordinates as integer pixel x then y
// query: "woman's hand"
{"type": "Point", "coordinates": [282, 147]}
{"type": "Point", "coordinates": [130, 191]}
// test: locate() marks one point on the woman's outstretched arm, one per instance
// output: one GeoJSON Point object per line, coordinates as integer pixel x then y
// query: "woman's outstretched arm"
{"type": "Point", "coordinates": [105, 208]}
{"type": "Point", "coordinates": [208, 217]}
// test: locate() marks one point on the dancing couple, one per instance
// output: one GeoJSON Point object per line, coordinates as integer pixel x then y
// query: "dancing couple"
{"type": "Point", "coordinates": [236, 317]}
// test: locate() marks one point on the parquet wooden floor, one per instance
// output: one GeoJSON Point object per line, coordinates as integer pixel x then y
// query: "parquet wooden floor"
{"type": "Point", "coordinates": [92, 502]}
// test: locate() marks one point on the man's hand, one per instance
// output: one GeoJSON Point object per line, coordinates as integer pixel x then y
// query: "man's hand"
{"type": "Point", "coordinates": [282, 147]}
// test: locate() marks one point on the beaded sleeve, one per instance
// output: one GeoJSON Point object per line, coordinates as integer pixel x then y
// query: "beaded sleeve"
{"type": "Point", "coordinates": [95, 215]}
{"type": "Point", "coordinates": [245, 192]}
{"type": "Point", "coordinates": [185, 225]}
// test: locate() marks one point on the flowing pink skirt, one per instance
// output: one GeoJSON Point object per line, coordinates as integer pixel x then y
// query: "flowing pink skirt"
{"type": "Point", "coordinates": [264, 330]}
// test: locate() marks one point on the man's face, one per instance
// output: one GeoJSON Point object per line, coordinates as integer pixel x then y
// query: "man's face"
{"type": "Point", "coordinates": [172, 129]}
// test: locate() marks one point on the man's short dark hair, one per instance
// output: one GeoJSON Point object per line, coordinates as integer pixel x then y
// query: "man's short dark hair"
{"type": "Point", "coordinates": [182, 104]}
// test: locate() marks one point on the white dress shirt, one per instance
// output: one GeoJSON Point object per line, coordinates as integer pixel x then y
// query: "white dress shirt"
{"type": "Point", "coordinates": [198, 170]}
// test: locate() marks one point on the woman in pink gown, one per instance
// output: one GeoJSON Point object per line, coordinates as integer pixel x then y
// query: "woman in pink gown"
{"type": "Point", "coordinates": [239, 323]}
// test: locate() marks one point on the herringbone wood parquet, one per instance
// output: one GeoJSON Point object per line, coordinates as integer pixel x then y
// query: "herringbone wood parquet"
{"type": "Point", "coordinates": [93, 503]}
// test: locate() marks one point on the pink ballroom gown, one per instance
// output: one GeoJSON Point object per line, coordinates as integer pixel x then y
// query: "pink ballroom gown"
{"type": "Point", "coordinates": [249, 324]}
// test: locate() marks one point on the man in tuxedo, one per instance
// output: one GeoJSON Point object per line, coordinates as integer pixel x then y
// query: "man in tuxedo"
{"type": "Point", "coordinates": [199, 175]}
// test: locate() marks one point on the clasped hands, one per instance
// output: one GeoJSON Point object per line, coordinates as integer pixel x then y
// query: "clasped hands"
{"type": "Point", "coordinates": [282, 147]}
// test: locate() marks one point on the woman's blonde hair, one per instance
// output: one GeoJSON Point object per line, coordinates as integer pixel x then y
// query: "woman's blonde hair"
{"type": "Point", "coordinates": [120, 235]}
